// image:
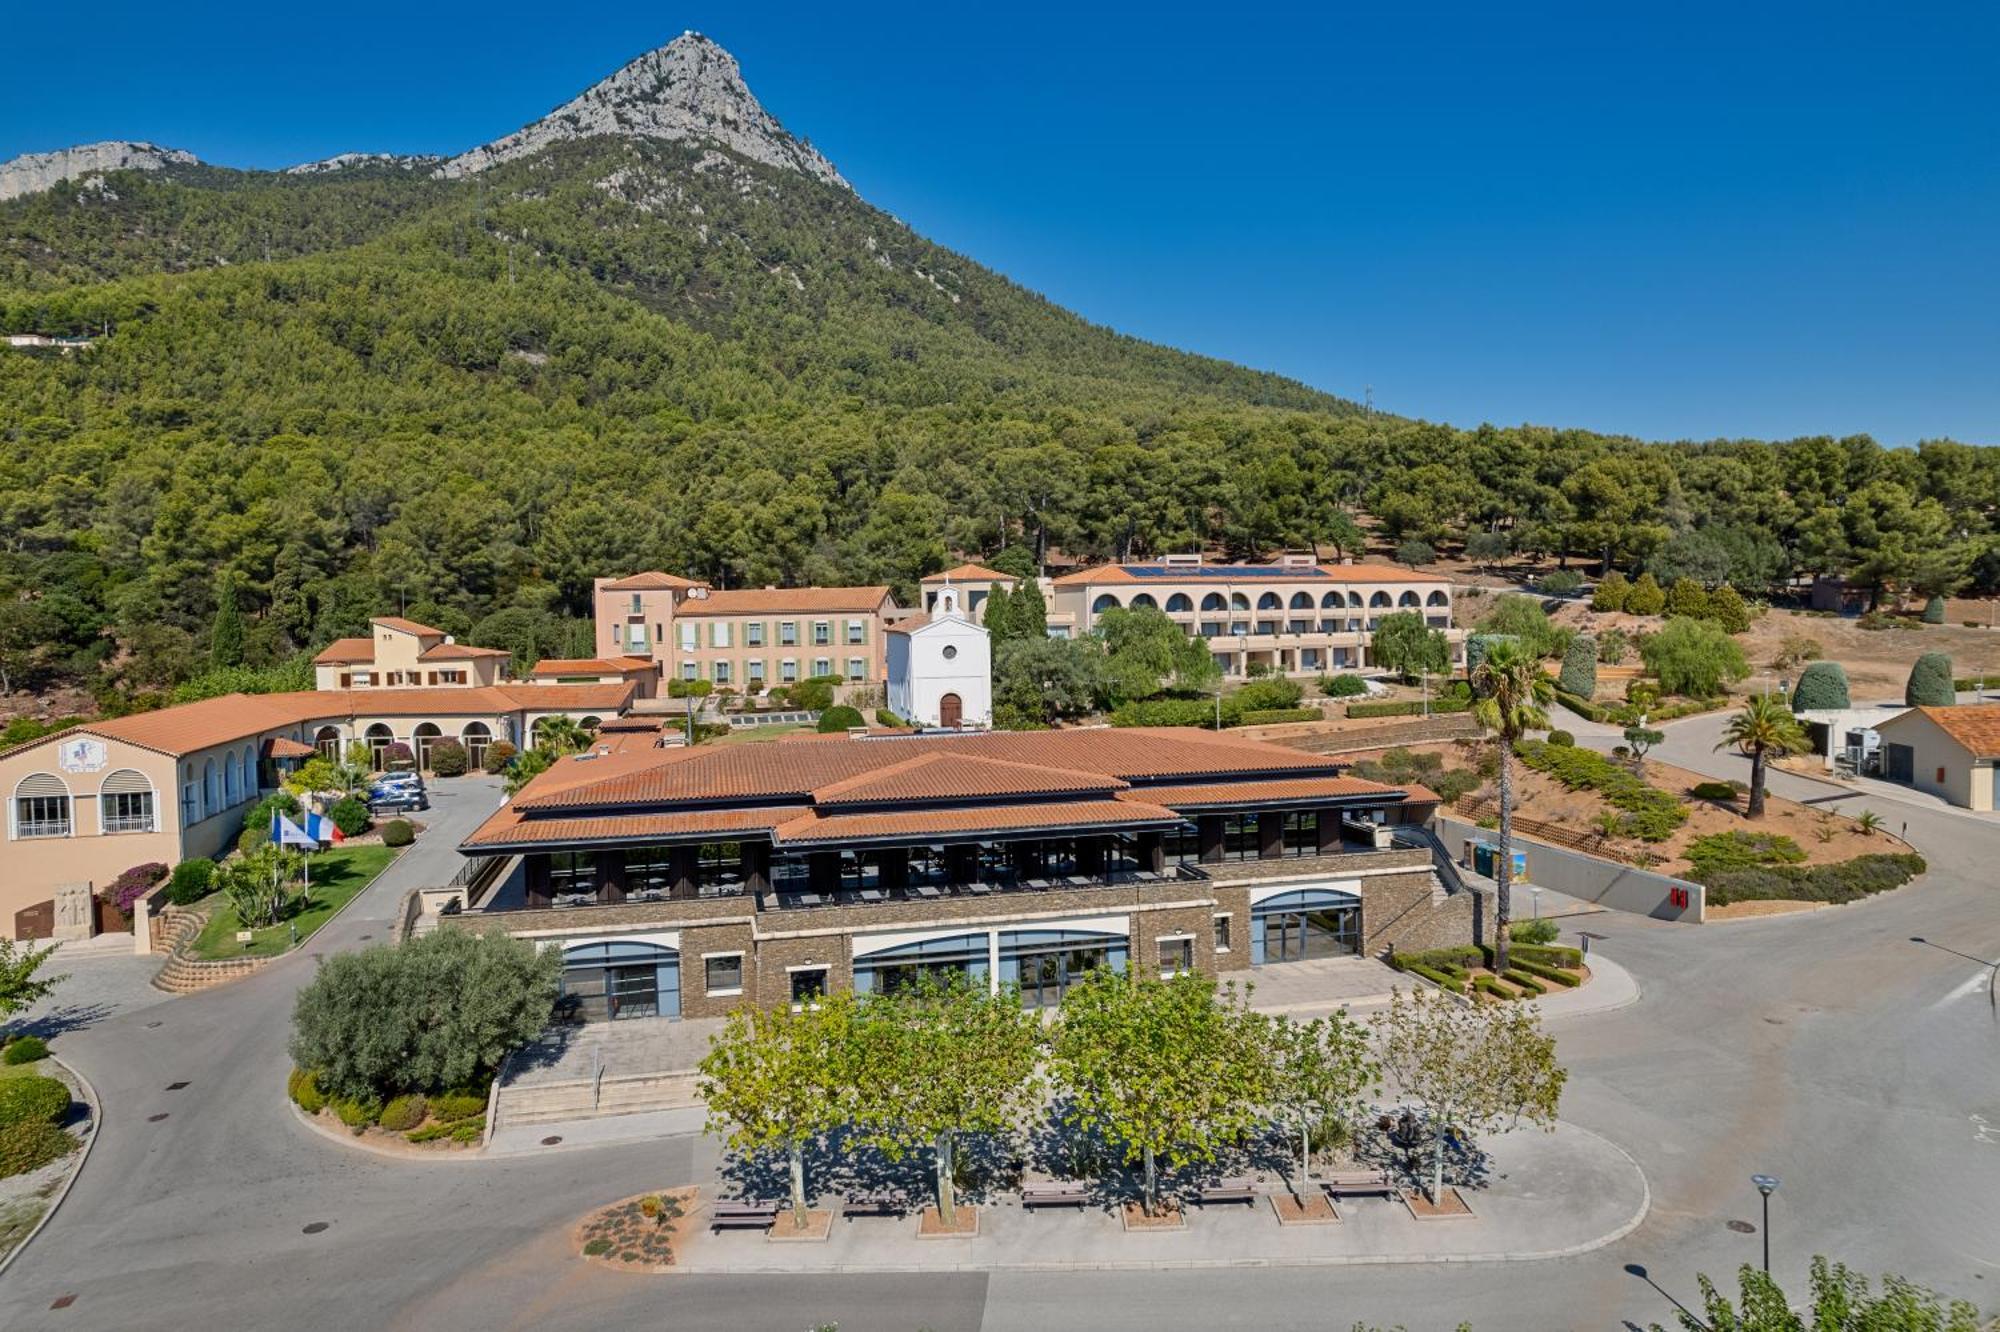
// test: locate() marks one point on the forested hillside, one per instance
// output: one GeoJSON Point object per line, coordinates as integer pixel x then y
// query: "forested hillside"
{"type": "Point", "coordinates": [326, 396]}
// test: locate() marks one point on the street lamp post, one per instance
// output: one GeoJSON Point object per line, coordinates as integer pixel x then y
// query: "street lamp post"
{"type": "Point", "coordinates": [1535, 892]}
{"type": "Point", "coordinates": [1766, 1185]}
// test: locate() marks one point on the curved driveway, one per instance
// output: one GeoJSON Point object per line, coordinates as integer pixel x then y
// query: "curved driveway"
{"type": "Point", "coordinates": [1826, 1048]}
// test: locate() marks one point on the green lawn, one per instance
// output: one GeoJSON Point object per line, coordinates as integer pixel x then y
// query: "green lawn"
{"type": "Point", "coordinates": [749, 734]}
{"type": "Point", "coordinates": [337, 875]}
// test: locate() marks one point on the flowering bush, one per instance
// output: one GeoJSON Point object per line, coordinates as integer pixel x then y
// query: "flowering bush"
{"type": "Point", "coordinates": [124, 890]}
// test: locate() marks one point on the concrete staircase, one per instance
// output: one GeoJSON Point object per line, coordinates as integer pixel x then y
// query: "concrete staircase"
{"type": "Point", "coordinates": [629, 1094]}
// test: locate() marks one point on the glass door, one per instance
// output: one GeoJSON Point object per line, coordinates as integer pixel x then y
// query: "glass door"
{"type": "Point", "coordinates": [635, 992]}
{"type": "Point", "coordinates": [585, 995]}
{"type": "Point", "coordinates": [1284, 936]}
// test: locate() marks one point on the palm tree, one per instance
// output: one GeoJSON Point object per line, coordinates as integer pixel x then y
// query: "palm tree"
{"type": "Point", "coordinates": [559, 736]}
{"type": "Point", "coordinates": [1764, 729]}
{"type": "Point", "coordinates": [1511, 690]}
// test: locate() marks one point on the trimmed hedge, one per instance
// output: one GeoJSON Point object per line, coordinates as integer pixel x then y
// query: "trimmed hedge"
{"type": "Point", "coordinates": [1844, 882]}
{"type": "Point", "coordinates": [1543, 972]}
{"type": "Point", "coordinates": [1272, 716]}
{"type": "Point", "coordinates": [32, 1099]}
{"type": "Point", "coordinates": [1516, 976]}
{"type": "Point", "coordinates": [25, 1050]}
{"type": "Point", "coordinates": [459, 1104]}
{"type": "Point", "coordinates": [1583, 707]}
{"type": "Point", "coordinates": [1414, 708]}
{"type": "Point", "coordinates": [884, 717]}
{"type": "Point", "coordinates": [839, 718]}
{"type": "Point", "coordinates": [303, 1087]}
{"type": "Point", "coordinates": [404, 1112]}
{"type": "Point", "coordinates": [398, 832]}
{"type": "Point", "coordinates": [1655, 814]}
{"type": "Point", "coordinates": [1491, 985]}
{"type": "Point", "coordinates": [31, 1145]}
{"type": "Point", "coordinates": [192, 881]}
{"type": "Point", "coordinates": [1342, 686]}
{"type": "Point", "coordinates": [1548, 955]}
{"type": "Point", "coordinates": [1442, 980]}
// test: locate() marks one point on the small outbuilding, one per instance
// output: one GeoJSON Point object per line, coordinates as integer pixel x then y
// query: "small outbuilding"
{"type": "Point", "coordinates": [1950, 752]}
{"type": "Point", "coordinates": [941, 667]}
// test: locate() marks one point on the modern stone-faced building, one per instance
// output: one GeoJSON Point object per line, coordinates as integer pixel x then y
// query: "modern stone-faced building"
{"type": "Point", "coordinates": [692, 881]}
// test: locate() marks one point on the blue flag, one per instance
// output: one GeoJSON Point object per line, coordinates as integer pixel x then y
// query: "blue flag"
{"type": "Point", "coordinates": [286, 833]}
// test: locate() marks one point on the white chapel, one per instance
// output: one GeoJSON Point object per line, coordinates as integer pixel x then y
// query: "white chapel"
{"type": "Point", "coordinates": [941, 667]}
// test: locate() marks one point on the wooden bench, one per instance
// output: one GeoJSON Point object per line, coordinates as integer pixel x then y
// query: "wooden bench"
{"type": "Point", "coordinates": [1348, 1183]}
{"type": "Point", "coordinates": [881, 1202]}
{"type": "Point", "coordinates": [1243, 1190]}
{"type": "Point", "coordinates": [1063, 1194]}
{"type": "Point", "coordinates": [736, 1213]}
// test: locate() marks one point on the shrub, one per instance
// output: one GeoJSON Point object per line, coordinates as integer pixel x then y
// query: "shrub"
{"type": "Point", "coordinates": [398, 832]}
{"type": "Point", "coordinates": [397, 757]}
{"type": "Point", "coordinates": [1540, 931]}
{"type": "Point", "coordinates": [1415, 553]}
{"type": "Point", "coordinates": [1549, 955]}
{"type": "Point", "coordinates": [253, 838]}
{"type": "Point", "coordinates": [1694, 657]}
{"type": "Point", "coordinates": [884, 717]}
{"type": "Point", "coordinates": [1559, 583]}
{"type": "Point", "coordinates": [357, 1112]}
{"type": "Point", "coordinates": [33, 1097]}
{"type": "Point", "coordinates": [25, 1050]}
{"type": "Point", "coordinates": [812, 695]}
{"type": "Point", "coordinates": [1687, 597]}
{"type": "Point", "coordinates": [1724, 791]}
{"type": "Point", "coordinates": [1611, 592]}
{"type": "Point", "coordinates": [448, 758]}
{"type": "Point", "coordinates": [1737, 849]}
{"type": "Point", "coordinates": [1934, 610]}
{"type": "Point", "coordinates": [1412, 708]}
{"type": "Point", "coordinates": [350, 816]}
{"type": "Point", "coordinates": [1541, 972]}
{"type": "Point", "coordinates": [1930, 683]}
{"type": "Point", "coordinates": [1645, 597]}
{"type": "Point", "coordinates": [458, 1104]}
{"type": "Point", "coordinates": [439, 1011]}
{"type": "Point", "coordinates": [1844, 882]}
{"type": "Point", "coordinates": [192, 881]}
{"type": "Point", "coordinates": [127, 888]}
{"type": "Point", "coordinates": [1728, 609]}
{"type": "Point", "coordinates": [1273, 716]}
{"type": "Point", "coordinates": [32, 1145]}
{"type": "Point", "coordinates": [303, 1087]}
{"type": "Point", "coordinates": [1264, 695]}
{"type": "Point", "coordinates": [1821, 685]}
{"type": "Point", "coordinates": [1579, 667]}
{"type": "Point", "coordinates": [1561, 737]}
{"type": "Point", "coordinates": [834, 720]}
{"type": "Point", "coordinates": [1655, 814]}
{"type": "Point", "coordinates": [499, 754]}
{"type": "Point", "coordinates": [1516, 976]}
{"type": "Point", "coordinates": [1491, 985]}
{"type": "Point", "coordinates": [1613, 646]}
{"type": "Point", "coordinates": [404, 1113]}
{"type": "Point", "coordinates": [468, 1132]}
{"type": "Point", "coordinates": [1342, 686]}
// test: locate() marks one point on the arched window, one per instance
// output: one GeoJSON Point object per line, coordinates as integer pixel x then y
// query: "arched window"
{"type": "Point", "coordinates": [211, 788]}
{"type": "Point", "coordinates": [232, 781]}
{"type": "Point", "coordinates": [475, 737]}
{"type": "Point", "coordinates": [125, 802]}
{"type": "Point", "coordinates": [1104, 602]}
{"type": "Point", "coordinates": [421, 739]}
{"type": "Point", "coordinates": [41, 806]}
{"type": "Point", "coordinates": [1179, 603]}
{"type": "Point", "coordinates": [1439, 598]}
{"type": "Point", "coordinates": [1332, 601]}
{"type": "Point", "coordinates": [327, 741]}
{"type": "Point", "coordinates": [1238, 602]}
{"type": "Point", "coordinates": [249, 771]}
{"type": "Point", "coordinates": [1302, 601]}
{"type": "Point", "coordinates": [591, 723]}
{"type": "Point", "coordinates": [1379, 599]}
{"type": "Point", "coordinates": [379, 738]}
{"type": "Point", "coordinates": [1145, 599]}
{"type": "Point", "coordinates": [1409, 599]}
{"type": "Point", "coordinates": [1213, 602]}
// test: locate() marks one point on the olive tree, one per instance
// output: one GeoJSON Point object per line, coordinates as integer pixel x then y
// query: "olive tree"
{"type": "Point", "coordinates": [1158, 1068]}
{"type": "Point", "coordinates": [941, 1060]}
{"type": "Point", "coordinates": [779, 1080]}
{"type": "Point", "coordinates": [1477, 1068]}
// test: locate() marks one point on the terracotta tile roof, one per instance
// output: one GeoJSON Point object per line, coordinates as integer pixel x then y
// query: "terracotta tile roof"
{"type": "Point", "coordinates": [648, 725]}
{"type": "Point", "coordinates": [282, 747]}
{"type": "Point", "coordinates": [212, 721]}
{"type": "Point", "coordinates": [591, 666]}
{"type": "Point", "coordinates": [1200, 795]}
{"type": "Point", "coordinates": [982, 820]}
{"type": "Point", "coordinates": [785, 600]}
{"type": "Point", "coordinates": [342, 651]}
{"type": "Point", "coordinates": [1976, 726]}
{"type": "Point", "coordinates": [970, 573]}
{"type": "Point", "coordinates": [508, 829]}
{"type": "Point", "coordinates": [909, 623]}
{"type": "Point", "coordinates": [1253, 573]}
{"type": "Point", "coordinates": [652, 581]}
{"type": "Point", "coordinates": [939, 776]}
{"type": "Point", "coordinates": [774, 772]}
{"type": "Point", "coordinates": [601, 698]}
{"type": "Point", "coordinates": [402, 625]}
{"type": "Point", "coordinates": [458, 652]}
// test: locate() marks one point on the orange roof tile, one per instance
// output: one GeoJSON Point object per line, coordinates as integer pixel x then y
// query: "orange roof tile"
{"type": "Point", "coordinates": [970, 573]}
{"type": "Point", "coordinates": [909, 624]}
{"type": "Point", "coordinates": [939, 776]}
{"type": "Point", "coordinates": [1199, 795]}
{"type": "Point", "coordinates": [785, 600]}
{"type": "Point", "coordinates": [283, 747]}
{"type": "Point", "coordinates": [508, 829]}
{"type": "Point", "coordinates": [1976, 726]}
{"type": "Point", "coordinates": [981, 820]}
{"type": "Point", "coordinates": [401, 625]}
{"type": "Point", "coordinates": [652, 581]}
{"type": "Point", "coordinates": [1219, 573]}
{"type": "Point", "coordinates": [592, 666]}
{"type": "Point", "coordinates": [342, 651]}
{"type": "Point", "coordinates": [458, 652]}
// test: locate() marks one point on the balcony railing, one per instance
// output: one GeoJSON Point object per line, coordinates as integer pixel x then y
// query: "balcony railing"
{"type": "Point", "coordinates": [995, 883]}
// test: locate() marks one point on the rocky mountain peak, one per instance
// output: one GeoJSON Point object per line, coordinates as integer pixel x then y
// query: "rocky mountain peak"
{"type": "Point", "coordinates": [689, 89]}
{"type": "Point", "coordinates": [34, 172]}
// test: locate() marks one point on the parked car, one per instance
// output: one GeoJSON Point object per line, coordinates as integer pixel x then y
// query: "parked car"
{"type": "Point", "coordinates": [397, 800]}
{"type": "Point", "coordinates": [415, 779]}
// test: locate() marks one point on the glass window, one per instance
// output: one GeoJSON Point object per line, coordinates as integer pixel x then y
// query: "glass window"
{"type": "Point", "coordinates": [41, 816]}
{"type": "Point", "coordinates": [753, 634]}
{"type": "Point", "coordinates": [690, 636]}
{"type": "Point", "coordinates": [788, 670]}
{"type": "Point", "coordinates": [788, 633]}
{"type": "Point", "coordinates": [753, 671]}
{"type": "Point", "coordinates": [1176, 956]}
{"type": "Point", "coordinates": [1239, 837]}
{"type": "Point", "coordinates": [856, 632]}
{"type": "Point", "coordinates": [689, 670]}
{"type": "Point", "coordinates": [649, 870]}
{"type": "Point", "coordinates": [128, 811]}
{"type": "Point", "coordinates": [719, 868]}
{"type": "Point", "coordinates": [572, 872]}
{"type": "Point", "coordinates": [1182, 843]}
{"type": "Point", "coordinates": [1222, 933]}
{"type": "Point", "coordinates": [1302, 833]}
{"type": "Point", "coordinates": [724, 974]}
{"type": "Point", "coordinates": [822, 665]}
{"type": "Point", "coordinates": [808, 986]}
{"type": "Point", "coordinates": [822, 632]}
{"type": "Point", "coordinates": [636, 607]}
{"type": "Point", "coordinates": [721, 672]}
{"type": "Point", "coordinates": [718, 634]}
{"type": "Point", "coordinates": [856, 668]}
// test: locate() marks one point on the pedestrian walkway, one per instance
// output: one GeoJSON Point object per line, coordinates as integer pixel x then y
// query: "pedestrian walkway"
{"type": "Point", "coordinates": [1546, 1195]}
{"type": "Point", "coordinates": [1319, 985]}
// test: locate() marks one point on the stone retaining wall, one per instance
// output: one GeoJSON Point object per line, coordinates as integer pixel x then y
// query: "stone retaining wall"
{"type": "Point", "coordinates": [184, 974]}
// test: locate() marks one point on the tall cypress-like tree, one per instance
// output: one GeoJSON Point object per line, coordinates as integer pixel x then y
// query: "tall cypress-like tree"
{"type": "Point", "coordinates": [225, 634]}
{"type": "Point", "coordinates": [999, 618]}
{"type": "Point", "coordinates": [1029, 614]}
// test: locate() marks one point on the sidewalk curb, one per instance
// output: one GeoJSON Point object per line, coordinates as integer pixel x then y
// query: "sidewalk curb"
{"type": "Point", "coordinates": [96, 1127]}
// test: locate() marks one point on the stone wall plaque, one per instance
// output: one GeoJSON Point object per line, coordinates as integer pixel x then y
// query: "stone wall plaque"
{"type": "Point", "coordinates": [76, 912]}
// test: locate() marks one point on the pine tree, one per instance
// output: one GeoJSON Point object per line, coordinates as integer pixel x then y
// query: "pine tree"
{"type": "Point", "coordinates": [225, 634]}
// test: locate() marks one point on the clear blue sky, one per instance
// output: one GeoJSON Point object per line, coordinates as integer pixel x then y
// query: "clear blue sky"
{"type": "Point", "coordinates": [1692, 221]}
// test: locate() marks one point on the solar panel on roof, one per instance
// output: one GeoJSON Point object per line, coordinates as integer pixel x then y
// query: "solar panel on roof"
{"type": "Point", "coordinates": [1223, 571]}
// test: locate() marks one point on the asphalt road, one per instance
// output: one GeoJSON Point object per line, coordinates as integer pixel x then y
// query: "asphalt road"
{"type": "Point", "coordinates": [1827, 1048]}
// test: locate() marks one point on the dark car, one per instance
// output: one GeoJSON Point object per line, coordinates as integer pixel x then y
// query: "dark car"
{"type": "Point", "coordinates": [394, 801]}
